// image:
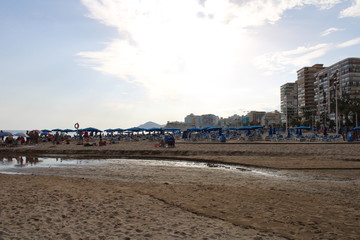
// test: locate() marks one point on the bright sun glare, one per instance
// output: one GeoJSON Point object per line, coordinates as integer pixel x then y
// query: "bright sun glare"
{"type": "Point", "coordinates": [171, 45]}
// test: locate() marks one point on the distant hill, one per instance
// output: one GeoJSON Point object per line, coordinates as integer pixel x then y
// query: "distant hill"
{"type": "Point", "coordinates": [150, 125]}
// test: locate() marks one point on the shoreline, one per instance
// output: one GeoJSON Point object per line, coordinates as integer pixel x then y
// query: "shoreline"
{"type": "Point", "coordinates": [262, 155]}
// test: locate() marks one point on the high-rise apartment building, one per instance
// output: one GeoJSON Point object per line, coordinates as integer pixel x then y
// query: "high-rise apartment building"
{"type": "Point", "coordinates": [288, 98]}
{"type": "Point", "coordinates": [305, 88]}
{"type": "Point", "coordinates": [339, 81]}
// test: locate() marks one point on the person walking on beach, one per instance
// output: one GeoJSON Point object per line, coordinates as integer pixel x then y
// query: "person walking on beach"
{"type": "Point", "coordinates": [86, 136]}
{"type": "Point", "coordinates": [56, 138]}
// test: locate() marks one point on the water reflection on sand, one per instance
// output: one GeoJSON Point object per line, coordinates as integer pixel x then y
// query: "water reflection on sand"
{"type": "Point", "coordinates": [12, 164]}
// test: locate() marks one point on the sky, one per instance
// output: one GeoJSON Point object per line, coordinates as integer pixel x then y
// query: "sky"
{"type": "Point", "coordinates": [121, 63]}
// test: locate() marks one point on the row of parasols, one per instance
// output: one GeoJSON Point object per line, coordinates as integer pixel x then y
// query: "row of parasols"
{"type": "Point", "coordinates": [137, 129]}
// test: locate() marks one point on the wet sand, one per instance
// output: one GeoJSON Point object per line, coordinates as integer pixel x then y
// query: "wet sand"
{"type": "Point", "coordinates": [309, 191]}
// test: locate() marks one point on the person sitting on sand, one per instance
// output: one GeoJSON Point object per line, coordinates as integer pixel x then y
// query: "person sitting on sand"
{"type": "Point", "coordinates": [162, 143]}
{"type": "Point", "coordinates": [9, 140]}
{"type": "Point", "coordinates": [171, 141]}
{"type": "Point", "coordinates": [101, 142]}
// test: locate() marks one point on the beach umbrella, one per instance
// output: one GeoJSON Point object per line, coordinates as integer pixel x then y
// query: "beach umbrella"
{"type": "Point", "coordinates": [256, 127]}
{"type": "Point", "coordinates": [118, 130]}
{"type": "Point", "coordinates": [56, 130]}
{"type": "Point", "coordinates": [109, 130]}
{"type": "Point", "coordinates": [5, 134]}
{"type": "Point", "coordinates": [193, 130]}
{"type": "Point", "coordinates": [36, 131]}
{"type": "Point", "coordinates": [68, 130]}
{"type": "Point", "coordinates": [135, 129]}
{"type": "Point", "coordinates": [172, 129]}
{"type": "Point", "coordinates": [210, 129]}
{"type": "Point", "coordinates": [45, 130]}
{"type": "Point", "coordinates": [91, 129]}
{"type": "Point", "coordinates": [303, 128]}
{"type": "Point", "coordinates": [154, 130]}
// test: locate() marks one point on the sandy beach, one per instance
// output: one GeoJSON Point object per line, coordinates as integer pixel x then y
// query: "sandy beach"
{"type": "Point", "coordinates": [274, 191]}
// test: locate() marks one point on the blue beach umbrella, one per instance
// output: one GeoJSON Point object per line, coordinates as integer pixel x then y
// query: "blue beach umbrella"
{"type": "Point", "coordinates": [118, 130]}
{"type": "Point", "coordinates": [193, 130]}
{"type": "Point", "coordinates": [172, 129]}
{"type": "Point", "coordinates": [5, 134]}
{"type": "Point", "coordinates": [91, 129]}
{"type": "Point", "coordinates": [67, 130]}
{"type": "Point", "coordinates": [56, 130]}
{"type": "Point", "coordinates": [154, 130]}
{"type": "Point", "coordinates": [135, 129]}
{"type": "Point", "coordinates": [109, 130]}
{"type": "Point", "coordinates": [256, 127]}
{"type": "Point", "coordinates": [231, 128]}
{"type": "Point", "coordinates": [303, 128]}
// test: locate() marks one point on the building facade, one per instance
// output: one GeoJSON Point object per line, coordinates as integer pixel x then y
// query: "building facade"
{"type": "Point", "coordinates": [339, 82]}
{"type": "Point", "coordinates": [271, 119]}
{"type": "Point", "coordinates": [255, 117]}
{"type": "Point", "coordinates": [305, 90]}
{"type": "Point", "coordinates": [288, 102]}
{"type": "Point", "coordinates": [206, 120]}
{"type": "Point", "coordinates": [232, 121]}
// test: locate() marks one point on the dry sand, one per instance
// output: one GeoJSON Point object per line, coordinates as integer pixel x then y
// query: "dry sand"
{"type": "Point", "coordinates": [294, 191]}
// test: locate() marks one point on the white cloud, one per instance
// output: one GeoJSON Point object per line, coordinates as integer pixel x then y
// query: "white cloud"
{"type": "Point", "coordinates": [167, 45]}
{"type": "Point", "coordinates": [353, 11]}
{"type": "Point", "coordinates": [330, 31]}
{"type": "Point", "coordinates": [299, 57]}
{"type": "Point", "coordinates": [349, 43]}
{"type": "Point", "coordinates": [193, 55]}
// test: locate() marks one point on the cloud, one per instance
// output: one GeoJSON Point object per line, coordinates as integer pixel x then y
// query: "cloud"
{"type": "Point", "coordinates": [299, 57]}
{"type": "Point", "coordinates": [353, 11]}
{"type": "Point", "coordinates": [349, 43]}
{"type": "Point", "coordinates": [167, 46]}
{"type": "Point", "coordinates": [330, 31]}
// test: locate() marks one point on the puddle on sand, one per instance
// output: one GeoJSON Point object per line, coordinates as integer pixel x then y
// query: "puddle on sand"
{"type": "Point", "coordinates": [9, 165]}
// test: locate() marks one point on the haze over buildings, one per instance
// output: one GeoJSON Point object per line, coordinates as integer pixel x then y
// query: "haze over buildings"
{"type": "Point", "coordinates": [120, 63]}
